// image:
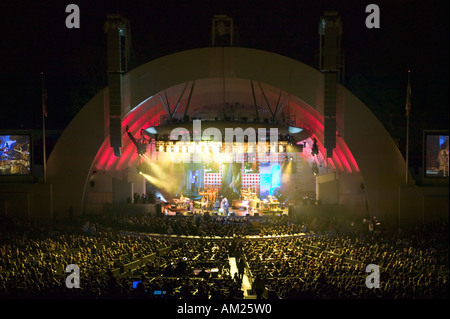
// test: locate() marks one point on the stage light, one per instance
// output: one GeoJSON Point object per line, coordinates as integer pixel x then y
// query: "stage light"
{"type": "Point", "coordinates": [294, 130]}
{"type": "Point", "coordinates": [161, 149]}
{"type": "Point", "coordinates": [315, 148]}
{"type": "Point", "coordinates": [151, 130]}
{"type": "Point", "coordinates": [315, 169]}
{"type": "Point", "coordinates": [291, 158]}
{"type": "Point", "coordinates": [141, 149]}
{"type": "Point", "coordinates": [160, 196]}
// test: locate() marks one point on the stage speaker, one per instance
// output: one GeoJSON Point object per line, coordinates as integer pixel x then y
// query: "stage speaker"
{"type": "Point", "coordinates": [231, 214]}
{"type": "Point", "coordinates": [291, 211]}
{"type": "Point", "coordinates": [158, 209]}
{"type": "Point", "coordinates": [255, 214]}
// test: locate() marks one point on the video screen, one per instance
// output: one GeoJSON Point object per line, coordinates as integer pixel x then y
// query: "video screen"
{"type": "Point", "coordinates": [231, 180]}
{"type": "Point", "coordinates": [15, 156]}
{"type": "Point", "coordinates": [436, 155]}
{"type": "Point", "coordinates": [270, 179]}
{"type": "Point", "coordinates": [193, 174]}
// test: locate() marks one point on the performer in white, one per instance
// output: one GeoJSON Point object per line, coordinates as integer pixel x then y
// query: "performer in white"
{"type": "Point", "coordinates": [443, 161]}
{"type": "Point", "coordinates": [224, 206]}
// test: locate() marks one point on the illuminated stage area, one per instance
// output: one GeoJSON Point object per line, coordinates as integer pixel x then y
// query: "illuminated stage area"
{"type": "Point", "coordinates": [224, 169]}
{"type": "Point", "coordinates": [239, 157]}
{"type": "Point", "coordinates": [242, 174]}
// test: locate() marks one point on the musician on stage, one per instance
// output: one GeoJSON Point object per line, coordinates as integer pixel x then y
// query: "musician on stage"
{"type": "Point", "coordinates": [211, 195]}
{"type": "Point", "coordinates": [204, 202]}
{"type": "Point", "coordinates": [224, 206]}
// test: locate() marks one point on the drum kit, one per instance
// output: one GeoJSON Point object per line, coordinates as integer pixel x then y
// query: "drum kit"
{"type": "Point", "coordinates": [270, 203]}
{"type": "Point", "coordinates": [247, 199]}
{"type": "Point", "coordinates": [182, 203]}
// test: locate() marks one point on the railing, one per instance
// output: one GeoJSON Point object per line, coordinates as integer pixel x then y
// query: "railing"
{"type": "Point", "coordinates": [227, 238]}
{"type": "Point", "coordinates": [136, 264]}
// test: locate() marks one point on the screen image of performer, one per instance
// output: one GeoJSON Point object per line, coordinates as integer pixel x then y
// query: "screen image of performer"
{"type": "Point", "coordinates": [443, 159]}
{"type": "Point", "coordinates": [5, 151]}
{"type": "Point", "coordinates": [231, 180]}
{"type": "Point", "coordinates": [194, 182]}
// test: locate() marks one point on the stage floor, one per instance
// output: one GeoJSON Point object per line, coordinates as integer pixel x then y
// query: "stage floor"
{"type": "Point", "coordinates": [232, 212]}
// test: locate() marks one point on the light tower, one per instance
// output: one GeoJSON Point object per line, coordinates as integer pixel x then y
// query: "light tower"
{"type": "Point", "coordinates": [117, 30]}
{"type": "Point", "coordinates": [332, 66]}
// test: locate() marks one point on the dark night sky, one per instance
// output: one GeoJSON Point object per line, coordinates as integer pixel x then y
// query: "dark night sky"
{"type": "Point", "coordinates": [413, 35]}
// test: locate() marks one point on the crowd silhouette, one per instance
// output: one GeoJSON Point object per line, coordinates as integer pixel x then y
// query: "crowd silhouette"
{"type": "Point", "coordinates": [189, 257]}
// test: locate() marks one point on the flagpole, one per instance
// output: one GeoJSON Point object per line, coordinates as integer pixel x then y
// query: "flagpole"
{"type": "Point", "coordinates": [408, 111]}
{"type": "Point", "coordinates": [43, 129]}
{"type": "Point", "coordinates": [407, 149]}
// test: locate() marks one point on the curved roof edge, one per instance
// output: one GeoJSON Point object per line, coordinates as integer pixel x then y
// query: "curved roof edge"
{"type": "Point", "coordinates": [274, 69]}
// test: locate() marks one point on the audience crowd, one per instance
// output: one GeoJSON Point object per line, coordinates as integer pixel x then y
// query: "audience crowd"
{"type": "Point", "coordinates": [192, 269]}
{"type": "Point", "coordinates": [203, 225]}
{"type": "Point", "coordinates": [33, 257]}
{"type": "Point", "coordinates": [327, 260]}
{"type": "Point", "coordinates": [413, 264]}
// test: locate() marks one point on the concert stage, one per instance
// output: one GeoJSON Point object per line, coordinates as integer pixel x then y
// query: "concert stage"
{"type": "Point", "coordinates": [170, 209]}
{"type": "Point", "coordinates": [222, 203]}
{"type": "Point", "coordinates": [233, 212]}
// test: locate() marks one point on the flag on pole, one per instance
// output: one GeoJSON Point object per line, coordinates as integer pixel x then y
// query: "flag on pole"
{"type": "Point", "coordinates": [408, 97]}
